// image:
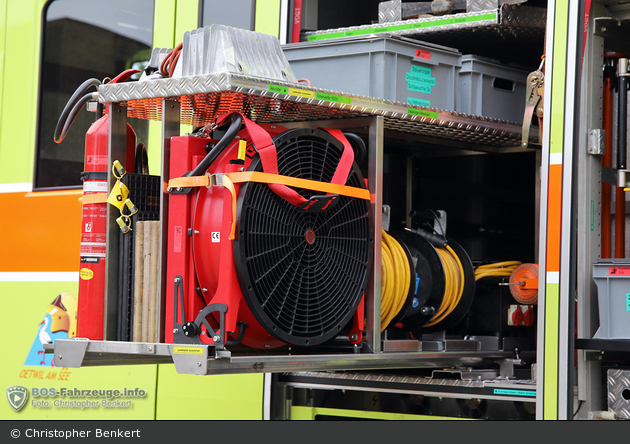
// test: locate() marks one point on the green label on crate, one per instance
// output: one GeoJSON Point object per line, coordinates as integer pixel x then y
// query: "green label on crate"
{"type": "Point", "coordinates": [515, 392]}
{"type": "Point", "coordinates": [278, 89]}
{"type": "Point", "coordinates": [403, 27]}
{"type": "Point", "coordinates": [332, 98]}
{"type": "Point", "coordinates": [418, 102]}
{"type": "Point", "coordinates": [418, 87]}
{"type": "Point", "coordinates": [423, 113]}
{"type": "Point", "coordinates": [420, 70]}
{"type": "Point", "coordinates": [420, 78]}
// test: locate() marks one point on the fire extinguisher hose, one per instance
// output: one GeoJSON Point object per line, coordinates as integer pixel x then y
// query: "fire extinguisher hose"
{"type": "Point", "coordinates": [230, 134]}
{"type": "Point", "coordinates": [72, 108]}
{"type": "Point", "coordinates": [75, 112]}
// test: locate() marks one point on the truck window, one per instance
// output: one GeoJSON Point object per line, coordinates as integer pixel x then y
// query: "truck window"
{"type": "Point", "coordinates": [84, 39]}
{"type": "Point", "coordinates": [236, 13]}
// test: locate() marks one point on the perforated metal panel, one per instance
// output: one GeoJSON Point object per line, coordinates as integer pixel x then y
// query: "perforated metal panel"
{"type": "Point", "coordinates": [204, 97]}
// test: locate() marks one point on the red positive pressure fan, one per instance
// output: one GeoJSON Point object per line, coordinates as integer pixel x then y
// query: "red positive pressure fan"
{"type": "Point", "coordinates": [298, 265]}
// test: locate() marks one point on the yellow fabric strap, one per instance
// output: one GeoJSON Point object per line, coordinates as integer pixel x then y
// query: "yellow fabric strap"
{"type": "Point", "coordinates": [227, 183]}
{"type": "Point", "coordinates": [94, 198]}
{"type": "Point", "coordinates": [257, 176]}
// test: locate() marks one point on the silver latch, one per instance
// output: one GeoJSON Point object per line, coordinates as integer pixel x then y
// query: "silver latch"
{"type": "Point", "coordinates": [597, 142]}
{"type": "Point", "coordinates": [533, 102]}
{"type": "Point", "coordinates": [622, 181]}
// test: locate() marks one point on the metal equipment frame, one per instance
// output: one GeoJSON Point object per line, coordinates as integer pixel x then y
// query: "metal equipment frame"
{"type": "Point", "coordinates": [198, 100]}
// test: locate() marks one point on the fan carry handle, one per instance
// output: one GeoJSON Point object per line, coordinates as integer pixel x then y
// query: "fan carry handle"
{"type": "Point", "coordinates": [269, 158]}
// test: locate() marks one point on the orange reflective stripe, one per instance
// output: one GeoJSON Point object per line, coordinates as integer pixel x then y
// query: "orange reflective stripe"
{"type": "Point", "coordinates": [93, 198]}
{"type": "Point", "coordinates": [324, 187]}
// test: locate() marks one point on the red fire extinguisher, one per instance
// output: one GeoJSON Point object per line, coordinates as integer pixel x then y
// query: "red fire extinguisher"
{"type": "Point", "coordinates": [91, 303]}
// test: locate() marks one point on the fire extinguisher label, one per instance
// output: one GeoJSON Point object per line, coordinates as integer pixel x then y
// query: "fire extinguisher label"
{"type": "Point", "coordinates": [96, 160]}
{"type": "Point", "coordinates": [95, 186]}
{"type": "Point", "coordinates": [86, 274]}
{"type": "Point", "coordinates": [90, 260]}
{"type": "Point", "coordinates": [93, 249]}
{"type": "Point", "coordinates": [216, 236]}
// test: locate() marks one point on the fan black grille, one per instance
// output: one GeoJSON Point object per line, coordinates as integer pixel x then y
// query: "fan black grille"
{"type": "Point", "coordinates": [302, 274]}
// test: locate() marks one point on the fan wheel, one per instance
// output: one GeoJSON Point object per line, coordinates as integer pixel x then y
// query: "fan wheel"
{"type": "Point", "coordinates": [472, 408]}
{"type": "Point", "coordinates": [303, 273]}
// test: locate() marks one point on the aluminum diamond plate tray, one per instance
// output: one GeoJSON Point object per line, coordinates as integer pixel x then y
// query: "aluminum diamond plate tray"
{"type": "Point", "coordinates": [618, 382]}
{"type": "Point", "coordinates": [204, 97]}
{"type": "Point", "coordinates": [486, 385]}
{"type": "Point", "coordinates": [511, 33]}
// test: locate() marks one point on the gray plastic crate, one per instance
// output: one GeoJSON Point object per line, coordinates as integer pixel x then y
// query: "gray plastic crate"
{"type": "Point", "coordinates": [487, 88]}
{"type": "Point", "coordinates": [612, 277]}
{"type": "Point", "coordinates": [388, 68]}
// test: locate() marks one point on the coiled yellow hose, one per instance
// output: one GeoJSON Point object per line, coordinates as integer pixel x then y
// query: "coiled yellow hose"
{"type": "Point", "coordinates": [454, 288]}
{"type": "Point", "coordinates": [395, 279]}
{"type": "Point", "coordinates": [497, 269]}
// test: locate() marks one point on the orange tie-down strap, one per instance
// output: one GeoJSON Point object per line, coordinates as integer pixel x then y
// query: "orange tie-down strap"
{"type": "Point", "coordinates": [93, 198]}
{"type": "Point", "coordinates": [258, 176]}
{"type": "Point", "coordinates": [228, 179]}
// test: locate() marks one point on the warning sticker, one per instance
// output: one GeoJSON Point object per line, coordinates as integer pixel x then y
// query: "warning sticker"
{"type": "Point", "coordinates": [177, 239]}
{"type": "Point", "coordinates": [423, 54]}
{"type": "Point", "coordinates": [618, 271]}
{"type": "Point", "coordinates": [97, 160]}
{"type": "Point", "coordinates": [86, 274]}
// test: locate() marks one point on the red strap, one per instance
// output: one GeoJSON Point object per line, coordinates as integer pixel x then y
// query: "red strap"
{"type": "Point", "coordinates": [347, 158]}
{"type": "Point", "coordinates": [124, 76]}
{"type": "Point", "coordinates": [269, 158]}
